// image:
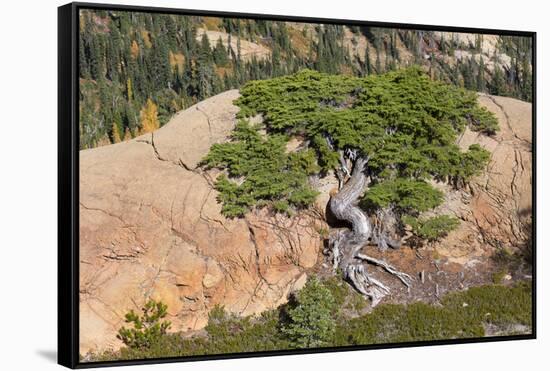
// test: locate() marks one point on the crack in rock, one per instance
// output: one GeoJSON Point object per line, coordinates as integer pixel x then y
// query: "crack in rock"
{"type": "Point", "coordinates": [103, 211]}
{"type": "Point", "coordinates": [507, 119]}
{"type": "Point", "coordinates": [208, 121]}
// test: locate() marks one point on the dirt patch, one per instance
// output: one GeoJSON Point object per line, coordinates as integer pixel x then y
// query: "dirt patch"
{"type": "Point", "coordinates": [435, 275]}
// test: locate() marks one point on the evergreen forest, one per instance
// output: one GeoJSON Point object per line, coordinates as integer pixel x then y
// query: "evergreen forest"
{"type": "Point", "coordinates": [138, 69]}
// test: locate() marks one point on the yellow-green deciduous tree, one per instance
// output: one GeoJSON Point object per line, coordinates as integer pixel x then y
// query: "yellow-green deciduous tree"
{"type": "Point", "coordinates": [149, 117]}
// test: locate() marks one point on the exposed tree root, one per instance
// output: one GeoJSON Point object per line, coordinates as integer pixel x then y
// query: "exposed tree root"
{"type": "Point", "coordinates": [345, 245]}
{"type": "Point", "coordinates": [345, 251]}
{"type": "Point", "coordinates": [367, 285]}
{"type": "Point", "coordinates": [403, 277]}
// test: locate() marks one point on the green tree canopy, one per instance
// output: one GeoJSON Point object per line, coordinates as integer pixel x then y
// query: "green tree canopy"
{"type": "Point", "coordinates": [405, 123]}
{"type": "Point", "coordinates": [270, 173]}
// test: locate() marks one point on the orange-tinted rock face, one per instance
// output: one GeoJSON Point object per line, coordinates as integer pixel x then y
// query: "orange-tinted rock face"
{"type": "Point", "coordinates": [496, 208]}
{"type": "Point", "coordinates": [150, 227]}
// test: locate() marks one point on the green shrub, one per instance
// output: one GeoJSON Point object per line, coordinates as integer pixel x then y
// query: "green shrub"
{"type": "Point", "coordinates": [391, 323]}
{"type": "Point", "coordinates": [432, 229]}
{"type": "Point", "coordinates": [345, 297]}
{"type": "Point", "coordinates": [462, 314]}
{"type": "Point", "coordinates": [147, 328]}
{"type": "Point", "coordinates": [407, 195]}
{"type": "Point", "coordinates": [311, 316]}
{"type": "Point", "coordinates": [315, 318]}
{"type": "Point", "coordinates": [230, 333]}
{"type": "Point", "coordinates": [271, 177]}
{"type": "Point", "coordinates": [338, 290]}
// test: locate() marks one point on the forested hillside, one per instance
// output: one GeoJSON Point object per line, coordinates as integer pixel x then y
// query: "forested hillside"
{"type": "Point", "coordinates": [138, 69]}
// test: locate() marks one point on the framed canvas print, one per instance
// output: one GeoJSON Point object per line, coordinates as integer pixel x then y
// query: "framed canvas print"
{"type": "Point", "coordinates": [237, 185]}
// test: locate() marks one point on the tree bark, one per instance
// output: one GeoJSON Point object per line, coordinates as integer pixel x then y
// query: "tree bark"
{"type": "Point", "coordinates": [344, 204]}
{"type": "Point", "coordinates": [346, 246]}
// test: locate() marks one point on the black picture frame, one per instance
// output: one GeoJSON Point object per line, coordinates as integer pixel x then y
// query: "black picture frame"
{"type": "Point", "coordinates": [68, 182]}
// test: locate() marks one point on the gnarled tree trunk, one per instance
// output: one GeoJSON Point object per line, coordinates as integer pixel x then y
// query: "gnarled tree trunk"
{"type": "Point", "coordinates": [346, 245]}
{"type": "Point", "coordinates": [344, 204]}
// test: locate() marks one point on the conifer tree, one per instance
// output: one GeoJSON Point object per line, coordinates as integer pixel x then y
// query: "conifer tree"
{"type": "Point", "coordinates": [205, 51]}
{"type": "Point", "coordinates": [478, 42]}
{"type": "Point", "coordinates": [481, 75]}
{"type": "Point", "coordinates": [527, 80]}
{"type": "Point", "coordinates": [276, 61]}
{"type": "Point", "coordinates": [96, 59]}
{"type": "Point", "coordinates": [311, 321]}
{"type": "Point", "coordinates": [468, 75]}
{"type": "Point", "coordinates": [239, 48]}
{"type": "Point", "coordinates": [115, 135]}
{"type": "Point", "coordinates": [127, 134]}
{"type": "Point", "coordinates": [149, 117]}
{"type": "Point", "coordinates": [161, 72]}
{"type": "Point", "coordinates": [171, 33]}
{"type": "Point", "coordinates": [497, 85]}
{"type": "Point", "coordinates": [384, 136]}
{"type": "Point", "coordinates": [378, 63]}
{"type": "Point", "coordinates": [82, 58]}
{"type": "Point", "coordinates": [129, 90]}
{"type": "Point", "coordinates": [220, 54]}
{"type": "Point", "coordinates": [204, 69]}
{"type": "Point", "coordinates": [457, 76]}
{"type": "Point", "coordinates": [443, 46]}
{"type": "Point", "coordinates": [134, 49]}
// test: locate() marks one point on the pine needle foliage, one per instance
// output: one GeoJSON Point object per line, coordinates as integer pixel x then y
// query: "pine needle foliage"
{"type": "Point", "coordinates": [272, 177]}
{"type": "Point", "coordinates": [408, 195]}
{"type": "Point", "coordinates": [148, 328]}
{"type": "Point", "coordinates": [405, 123]}
{"type": "Point", "coordinates": [431, 229]}
{"type": "Point", "coordinates": [311, 322]}
{"type": "Point", "coordinates": [163, 57]}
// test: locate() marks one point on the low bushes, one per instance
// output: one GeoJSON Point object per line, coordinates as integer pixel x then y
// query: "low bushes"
{"type": "Point", "coordinates": [318, 315]}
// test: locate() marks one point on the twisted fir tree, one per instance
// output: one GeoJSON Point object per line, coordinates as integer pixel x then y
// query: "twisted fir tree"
{"type": "Point", "coordinates": [385, 137]}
